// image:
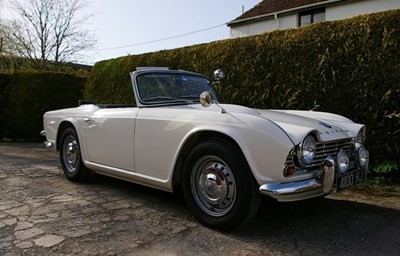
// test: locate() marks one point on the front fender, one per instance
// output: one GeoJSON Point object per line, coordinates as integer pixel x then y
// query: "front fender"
{"type": "Point", "coordinates": [264, 145]}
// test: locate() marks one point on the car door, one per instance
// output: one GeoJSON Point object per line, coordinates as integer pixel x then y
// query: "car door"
{"type": "Point", "coordinates": [109, 134]}
{"type": "Point", "coordinates": [159, 133]}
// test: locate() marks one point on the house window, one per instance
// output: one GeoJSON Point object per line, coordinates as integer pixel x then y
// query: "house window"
{"type": "Point", "coordinates": [312, 16]}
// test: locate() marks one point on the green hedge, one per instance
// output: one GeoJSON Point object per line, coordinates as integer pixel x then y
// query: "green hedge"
{"type": "Point", "coordinates": [10, 64]}
{"type": "Point", "coordinates": [28, 95]}
{"type": "Point", "coordinates": [349, 67]}
{"type": "Point", "coordinates": [4, 88]}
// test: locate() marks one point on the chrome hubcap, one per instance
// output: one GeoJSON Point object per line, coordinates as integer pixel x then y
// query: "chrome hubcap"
{"type": "Point", "coordinates": [71, 154]}
{"type": "Point", "coordinates": [213, 186]}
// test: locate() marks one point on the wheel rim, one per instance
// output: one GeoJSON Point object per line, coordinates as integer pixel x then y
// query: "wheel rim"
{"type": "Point", "coordinates": [213, 186]}
{"type": "Point", "coordinates": [71, 154]}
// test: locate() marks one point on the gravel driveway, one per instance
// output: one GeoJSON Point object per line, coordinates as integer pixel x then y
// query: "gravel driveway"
{"type": "Point", "coordinates": [41, 213]}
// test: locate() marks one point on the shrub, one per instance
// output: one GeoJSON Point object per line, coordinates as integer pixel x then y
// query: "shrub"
{"type": "Point", "coordinates": [386, 173]}
{"type": "Point", "coordinates": [31, 94]}
{"type": "Point", "coordinates": [4, 88]}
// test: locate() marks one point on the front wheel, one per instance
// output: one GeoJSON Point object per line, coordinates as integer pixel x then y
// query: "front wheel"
{"type": "Point", "coordinates": [71, 158]}
{"type": "Point", "coordinates": [218, 186]}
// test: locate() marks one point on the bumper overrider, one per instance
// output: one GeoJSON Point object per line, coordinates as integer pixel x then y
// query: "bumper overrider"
{"type": "Point", "coordinates": [327, 180]}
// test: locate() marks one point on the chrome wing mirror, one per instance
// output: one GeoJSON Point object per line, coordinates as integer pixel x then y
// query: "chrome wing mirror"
{"type": "Point", "coordinates": [206, 100]}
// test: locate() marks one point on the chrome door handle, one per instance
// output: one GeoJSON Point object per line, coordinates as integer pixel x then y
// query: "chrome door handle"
{"type": "Point", "coordinates": [87, 119]}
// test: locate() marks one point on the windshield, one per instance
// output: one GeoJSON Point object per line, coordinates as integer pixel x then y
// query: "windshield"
{"type": "Point", "coordinates": [176, 88]}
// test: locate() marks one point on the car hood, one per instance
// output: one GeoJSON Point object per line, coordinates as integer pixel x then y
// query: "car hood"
{"type": "Point", "coordinates": [297, 124]}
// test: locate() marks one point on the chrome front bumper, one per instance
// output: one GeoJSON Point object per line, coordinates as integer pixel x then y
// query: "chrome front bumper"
{"type": "Point", "coordinates": [298, 190]}
{"type": "Point", "coordinates": [47, 143]}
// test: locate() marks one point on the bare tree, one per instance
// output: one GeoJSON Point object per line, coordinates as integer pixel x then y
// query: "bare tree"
{"type": "Point", "coordinates": [1, 28]}
{"type": "Point", "coordinates": [49, 29]}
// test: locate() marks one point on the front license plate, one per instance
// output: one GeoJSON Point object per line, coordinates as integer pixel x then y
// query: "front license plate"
{"type": "Point", "coordinates": [350, 179]}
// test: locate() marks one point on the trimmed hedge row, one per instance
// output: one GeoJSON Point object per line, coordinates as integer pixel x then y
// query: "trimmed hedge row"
{"type": "Point", "coordinates": [349, 67]}
{"type": "Point", "coordinates": [10, 64]}
{"type": "Point", "coordinates": [26, 96]}
{"type": "Point", "coordinates": [4, 88]}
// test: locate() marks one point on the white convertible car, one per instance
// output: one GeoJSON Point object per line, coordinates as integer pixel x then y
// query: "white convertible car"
{"type": "Point", "coordinates": [223, 157]}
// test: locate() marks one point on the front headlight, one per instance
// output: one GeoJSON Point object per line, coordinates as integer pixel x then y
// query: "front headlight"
{"type": "Point", "coordinates": [307, 149]}
{"type": "Point", "coordinates": [343, 161]}
{"type": "Point", "coordinates": [363, 156]}
{"type": "Point", "coordinates": [360, 139]}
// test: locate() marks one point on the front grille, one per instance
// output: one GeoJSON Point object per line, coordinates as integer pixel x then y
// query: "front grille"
{"type": "Point", "coordinates": [332, 148]}
{"type": "Point", "coordinates": [323, 150]}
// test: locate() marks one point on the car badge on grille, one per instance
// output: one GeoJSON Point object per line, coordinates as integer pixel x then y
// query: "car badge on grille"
{"type": "Point", "coordinates": [325, 125]}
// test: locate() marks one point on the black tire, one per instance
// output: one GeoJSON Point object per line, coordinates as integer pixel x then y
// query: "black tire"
{"type": "Point", "coordinates": [71, 157]}
{"type": "Point", "coordinates": [219, 187]}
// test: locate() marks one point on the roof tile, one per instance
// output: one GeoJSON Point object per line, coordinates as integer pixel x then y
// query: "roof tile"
{"type": "Point", "coordinates": [272, 6]}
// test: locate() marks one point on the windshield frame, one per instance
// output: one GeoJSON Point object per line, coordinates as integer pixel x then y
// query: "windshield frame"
{"type": "Point", "coordinates": [165, 100]}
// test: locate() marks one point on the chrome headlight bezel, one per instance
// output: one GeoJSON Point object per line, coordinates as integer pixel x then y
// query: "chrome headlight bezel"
{"type": "Point", "coordinates": [363, 156]}
{"type": "Point", "coordinates": [343, 161]}
{"type": "Point", "coordinates": [360, 139]}
{"type": "Point", "coordinates": [307, 150]}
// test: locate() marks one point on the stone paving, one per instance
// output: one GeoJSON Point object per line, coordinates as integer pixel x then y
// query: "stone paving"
{"type": "Point", "coordinates": [41, 213]}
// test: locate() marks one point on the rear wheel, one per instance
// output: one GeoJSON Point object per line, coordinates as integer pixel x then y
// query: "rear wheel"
{"type": "Point", "coordinates": [218, 186]}
{"type": "Point", "coordinates": [71, 158]}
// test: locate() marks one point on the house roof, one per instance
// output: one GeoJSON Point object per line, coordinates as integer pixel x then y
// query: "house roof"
{"type": "Point", "coordinates": [266, 7]}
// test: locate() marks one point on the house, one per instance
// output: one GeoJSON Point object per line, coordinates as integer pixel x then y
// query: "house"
{"type": "Point", "coordinates": [269, 15]}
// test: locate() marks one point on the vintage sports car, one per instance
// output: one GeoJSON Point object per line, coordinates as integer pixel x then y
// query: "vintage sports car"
{"type": "Point", "coordinates": [222, 157]}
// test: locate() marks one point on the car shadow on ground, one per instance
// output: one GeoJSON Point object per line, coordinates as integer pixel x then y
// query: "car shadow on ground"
{"type": "Point", "coordinates": [315, 225]}
{"type": "Point", "coordinates": [324, 224]}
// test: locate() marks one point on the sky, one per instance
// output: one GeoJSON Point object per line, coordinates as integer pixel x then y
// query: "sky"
{"type": "Point", "coordinates": [131, 27]}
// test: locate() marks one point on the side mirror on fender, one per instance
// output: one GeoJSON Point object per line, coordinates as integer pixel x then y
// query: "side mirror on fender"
{"type": "Point", "coordinates": [206, 99]}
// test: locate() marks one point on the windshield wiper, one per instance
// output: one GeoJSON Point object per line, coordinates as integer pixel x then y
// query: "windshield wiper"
{"type": "Point", "coordinates": [191, 97]}
{"type": "Point", "coordinates": [164, 98]}
{"type": "Point", "coordinates": [153, 97]}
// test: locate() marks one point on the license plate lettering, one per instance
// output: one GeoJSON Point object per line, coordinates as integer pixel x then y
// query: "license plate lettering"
{"type": "Point", "coordinates": [349, 180]}
{"type": "Point", "coordinates": [359, 176]}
